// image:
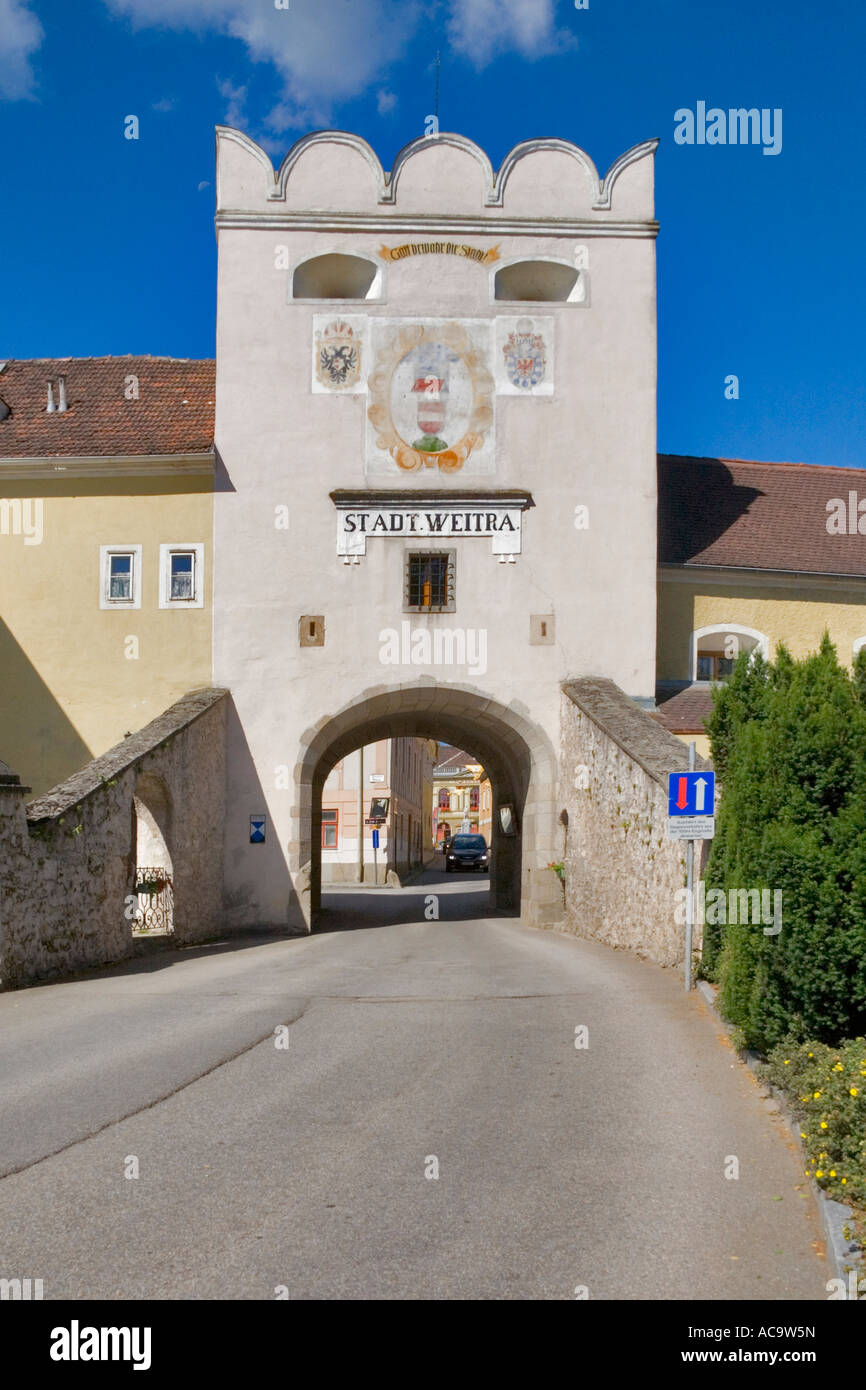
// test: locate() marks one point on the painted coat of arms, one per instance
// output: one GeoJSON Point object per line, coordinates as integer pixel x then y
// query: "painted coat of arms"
{"type": "Point", "coordinates": [338, 353]}
{"type": "Point", "coordinates": [431, 395]}
{"type": "Point", "coordinates": [525, 356]}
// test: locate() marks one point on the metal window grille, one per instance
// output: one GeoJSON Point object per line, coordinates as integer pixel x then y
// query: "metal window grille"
{"type": "Point", "coordinates": [430, 581]}
{"type": "Point", "coordinates": [120, 578]}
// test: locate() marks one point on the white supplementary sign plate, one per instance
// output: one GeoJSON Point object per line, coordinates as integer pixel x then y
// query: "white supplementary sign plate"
{"type": "Point", "coordinates": [692, 827]}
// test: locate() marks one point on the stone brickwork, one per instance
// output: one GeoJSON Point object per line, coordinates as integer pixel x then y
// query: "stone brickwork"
{"type": "Point", "coordinates": [622, 871]}
{"type": "Point", "coordinates": [67, 860]}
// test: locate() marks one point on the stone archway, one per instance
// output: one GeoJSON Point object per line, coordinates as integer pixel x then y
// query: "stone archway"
{"type": "Point", "coordinates": [154, 868]}
{"type": "Point", "coordinates": [518, 759]}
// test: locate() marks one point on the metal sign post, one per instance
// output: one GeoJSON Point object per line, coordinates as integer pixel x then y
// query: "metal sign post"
{"type": "Point", "coordinates": [691, 816]}
{"type": "Point", "coordinates": [690, 889]}
{"type": "Point", "coordinates": [375, 858]}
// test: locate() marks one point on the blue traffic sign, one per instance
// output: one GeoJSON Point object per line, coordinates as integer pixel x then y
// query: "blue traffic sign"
{"type": "Point", "coordinates": [691, 793]}
{"type": "Point", "coordinates": [375, 839]}
{"type": "Point", "coordinates": [257, 830]}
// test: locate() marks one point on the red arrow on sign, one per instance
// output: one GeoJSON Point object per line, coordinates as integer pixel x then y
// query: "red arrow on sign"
{"type": "Point", "coordinates": [682, 797]}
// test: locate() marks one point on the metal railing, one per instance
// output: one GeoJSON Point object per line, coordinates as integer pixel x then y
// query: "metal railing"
{"type": "Point", "coordinates": [155, 892]}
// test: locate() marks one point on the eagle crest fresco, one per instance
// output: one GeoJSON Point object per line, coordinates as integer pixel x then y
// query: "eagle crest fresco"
{"type": "Point", "coordinates": [338, 360]}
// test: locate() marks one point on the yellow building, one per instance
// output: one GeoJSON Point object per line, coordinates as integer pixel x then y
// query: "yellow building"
{"type": "Point", "coordinates": [751, 555]}
{"type": "Point", "coordinates": [106, 523]}
{"type": "Point", "coordinates": [462, 796]}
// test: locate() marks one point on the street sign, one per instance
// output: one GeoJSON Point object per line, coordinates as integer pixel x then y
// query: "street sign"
{"type": "Point", "coordinates": [257, 830]}
{"type": "Point", "coordinates": [691, 827]}
{"type": "Point", "coordinates": [375, 839]}
{"type": "Point", "coordinates": [374, 822]}
{"type": "Point", "coordinates": [691, 794]}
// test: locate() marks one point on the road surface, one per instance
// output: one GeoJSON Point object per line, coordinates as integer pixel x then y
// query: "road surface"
{"type": "Point", "coordinates": [415, 1046]}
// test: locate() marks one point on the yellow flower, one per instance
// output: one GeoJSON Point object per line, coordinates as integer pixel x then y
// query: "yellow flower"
{"type": "Point", "coordinates": [819, 1173]}
{"type": "Point", "coordinates": [816, 1095]}
{"type": "Point", "coordinates": [802, 1135]}
{"type": "Point", "coordinates": [811, 1054]}
{"type": "Point", "coordinates": [832, 1172]}
{"type": "Point", "coordinates": [844, 1180]}
{"type": "Point", "coordinates": [823, 1124]}
{"type": "Point", "coordinates": [852, 1090]}
{"type": "Point", "coordinates": [838, 1067]}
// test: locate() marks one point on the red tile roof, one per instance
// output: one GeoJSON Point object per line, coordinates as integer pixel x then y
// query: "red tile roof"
{"type": "Point", "coordinates": [456, 762]}
{"type": "Point", "coordinates": [684, 711]}
{"type": "Point", "coordinates": [174, 413]}
{"type": "Point", "coordinates": [734, 513]}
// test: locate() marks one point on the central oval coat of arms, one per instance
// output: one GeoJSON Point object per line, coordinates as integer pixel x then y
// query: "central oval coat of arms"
{"type": "Point", "coordinates": [431, 396]}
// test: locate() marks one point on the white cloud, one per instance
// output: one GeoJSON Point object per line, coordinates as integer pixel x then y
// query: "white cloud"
{"type": "Point", "coordinates": [20, 36]}
{"type": "Point", "coordinates": [328, 52]}
{"type": "Point", "coordinates": [237, 99]}
{"type": "Point", "coordinates": [205, 183]}
{"type": "Point", "coordinates": [164, 104]}
{"type": "Point", "coordinates": [481, 29]}
{"type": "Point", "coordinates": [325, 51]}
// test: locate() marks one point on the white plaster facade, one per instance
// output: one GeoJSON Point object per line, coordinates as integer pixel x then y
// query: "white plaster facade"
{"type": "Point", "coordinates": [579, 598]}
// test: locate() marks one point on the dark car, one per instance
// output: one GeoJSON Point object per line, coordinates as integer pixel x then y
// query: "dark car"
{"type": "Point", "coordinates": [466, 852]}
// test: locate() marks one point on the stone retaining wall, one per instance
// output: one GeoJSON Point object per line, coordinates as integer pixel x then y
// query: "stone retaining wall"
{"type": "Point", "coordinates": [622, 871]}
{"type": "Point", "coordinates": [68, 859]}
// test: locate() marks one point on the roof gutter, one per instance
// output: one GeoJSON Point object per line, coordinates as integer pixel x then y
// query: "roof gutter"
{"type": "Point", "coordinates": [113, 466]}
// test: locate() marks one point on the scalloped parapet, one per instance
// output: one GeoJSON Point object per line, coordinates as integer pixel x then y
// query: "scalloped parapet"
{"type": "Point", "coordinates": [334, 171]}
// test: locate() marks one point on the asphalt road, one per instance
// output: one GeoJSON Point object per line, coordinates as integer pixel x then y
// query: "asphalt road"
{"type": "Point", "coordinates": [409, 1040]}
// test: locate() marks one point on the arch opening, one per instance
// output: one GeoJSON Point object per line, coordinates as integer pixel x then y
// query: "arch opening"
{"type": "Point", "coordinates": [550, 282]}
{"type": "Point", "coordinates": [336, 276]}
{"type": "Point", "coordinates": [153, 888]}
{"type": "Point", "coordinates": [516, 757]}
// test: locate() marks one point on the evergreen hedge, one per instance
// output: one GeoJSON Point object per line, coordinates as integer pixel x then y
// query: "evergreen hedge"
{"type": "Point", "coordinates": [788, 741]}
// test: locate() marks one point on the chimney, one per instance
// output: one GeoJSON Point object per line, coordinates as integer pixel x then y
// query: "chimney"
{"type": "Point", "coordinates": [62, 390]}
{"type": "Point", "coordinates": [51, 407]}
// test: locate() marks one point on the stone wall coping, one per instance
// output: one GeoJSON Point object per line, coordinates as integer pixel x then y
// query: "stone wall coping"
{"type": "Point", "coordinates": [8, 778]}
{"type": "Point", "coordinates": [123, 755]}
{"type": "Point", "coordinates": [635, 731]}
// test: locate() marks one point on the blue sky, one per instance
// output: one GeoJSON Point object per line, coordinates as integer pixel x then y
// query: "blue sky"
{"type": "Point", "coordinates": [107, 245]}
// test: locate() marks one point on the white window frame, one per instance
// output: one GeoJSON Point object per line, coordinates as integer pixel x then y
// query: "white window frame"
{"type": "Point", "coordinates": [196, 548]}
{"type": "Point", "coordinates": [105, 553]}
{"type": "Point", "coordinates": [762, 642]}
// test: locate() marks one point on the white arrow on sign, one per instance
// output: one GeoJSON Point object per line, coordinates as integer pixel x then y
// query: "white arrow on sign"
{"type": "Point", "coordinates": [700, 793]}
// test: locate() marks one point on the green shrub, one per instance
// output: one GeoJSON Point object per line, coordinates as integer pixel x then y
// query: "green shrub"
{"type": "Point", "coordinates": [789, 742]}
{"type": "Point", "coordinates": [826, 1091]}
